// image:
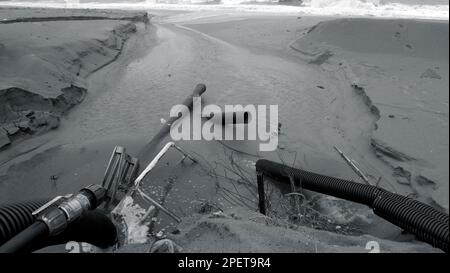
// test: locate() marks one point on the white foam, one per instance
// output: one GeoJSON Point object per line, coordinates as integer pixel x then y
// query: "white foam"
{"type": "Point", "coordinates": [422, 9]}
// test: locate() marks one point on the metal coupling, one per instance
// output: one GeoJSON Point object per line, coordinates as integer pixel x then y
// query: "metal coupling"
{"type": "Point", "coordinates": [96, 193]}
{"type": "Point", "coordinates": [75, 207]}
{"type": "Point", "coordinates": [55, 220]}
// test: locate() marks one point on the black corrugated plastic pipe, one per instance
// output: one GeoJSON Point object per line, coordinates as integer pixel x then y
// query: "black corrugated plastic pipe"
{"type": "Point", "coordinates": [16, 217]}
{"type": "Point", "coordinates": [427, 223]}
{"type": "Point", "coordinates": [413, 220]}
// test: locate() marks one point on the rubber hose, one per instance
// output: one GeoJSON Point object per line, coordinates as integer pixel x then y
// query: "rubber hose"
{"type": "Point", "coordinates": [426, 222]}
{"type": "Point", "coordinates": [95, 228]}
{"type": "Point", "coordinates": [349, 190]}
{"type": "Point", "coordinates": [25, 240]}
{"type": "Point", "coordinates": [413, 220]}
{"type": "Point", "coordinates": [16, 217]}
{"type": "Point", "coordinates": [426, 209]}
{"type": "Point", "coordinates": [356, 192]}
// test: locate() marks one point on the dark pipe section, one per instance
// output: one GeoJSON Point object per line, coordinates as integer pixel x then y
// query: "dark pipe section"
{"type": "Point", "coordinates": [349, 190]}
{"type": "Point", "coordinates": [147, 151]}
{"type": "Point", "coordinates": [261, 193]}
{"type": "Point", "coordinates": [424, 221]}
{"type": "Point", "coordinates": [359, 193]}
{"type": "Point", "coordinates": [16, 217]}
{"type": "Point", "coordinates": [17, 221]}
{"type": "Point", "coordinates": [94, 228]}
{"type": "Point", "coordinates": [25, 240]}
{"type": "Point", "coordinates": [230, 117]}
{"type": "Point", "coordinates": [419, 206]}
{"type": "Point", "coordinates": [415, 221]}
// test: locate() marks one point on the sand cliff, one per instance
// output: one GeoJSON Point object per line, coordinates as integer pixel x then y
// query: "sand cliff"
{"type": "Point", "coordinates": [44, 63]}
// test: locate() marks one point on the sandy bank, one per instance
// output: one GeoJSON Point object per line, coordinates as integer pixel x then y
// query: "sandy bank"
{"type": "Point", "coordinates": [240, 230]}
{"type": "Point", "coordinates": [401, 68]}
{"type": "Point", "coordinates": [44, 63]}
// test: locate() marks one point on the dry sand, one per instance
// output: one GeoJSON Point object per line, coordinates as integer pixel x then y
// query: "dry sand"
{"type": "Point", "coordinates": [331, 92]}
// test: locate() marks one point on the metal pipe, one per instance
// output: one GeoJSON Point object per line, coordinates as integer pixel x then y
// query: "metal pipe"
{"type": "Point", "coordinates": [152, 164]}
{"type": "Point", "coordinates": [261, 192]}
{"type": "Point", "coordinates": [147, 150]}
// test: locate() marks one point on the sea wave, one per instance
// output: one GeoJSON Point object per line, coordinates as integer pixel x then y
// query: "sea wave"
{"type": "Point", "coordinates": [423, 9]}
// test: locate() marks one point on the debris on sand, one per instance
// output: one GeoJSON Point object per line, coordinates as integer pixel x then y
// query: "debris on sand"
{"type": "Point", "coordinates": [4, 139]}
{"type": "Point", "coordinates": [321, 58]}
{"type": "Point", "coordinates": [341, 212]}
{"type": "Point", "coordinates": [30, 113]}
{"type": "Point", "coordinates": [131, 215]}
{"type": "Point", "coordinates": [402, 176]}
{"type": "Point", "coordinates": [383, 149]}
{"type": "Point", "coordinates": [165, 246]}
{"type": "Point", "coordinates": [425, 182]}
{"type": "Point", "coordinates": [431, 74]}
